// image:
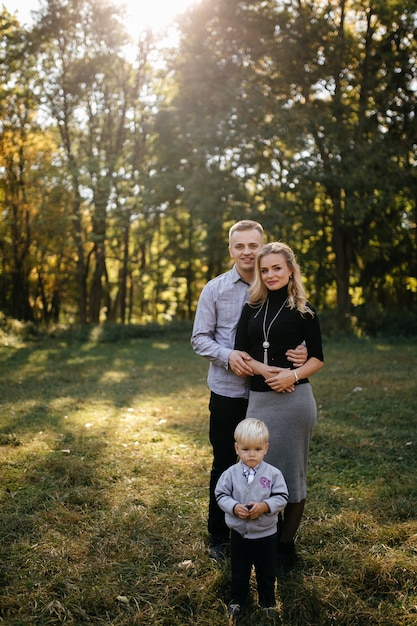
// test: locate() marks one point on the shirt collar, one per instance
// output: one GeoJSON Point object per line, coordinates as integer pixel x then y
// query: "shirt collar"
{"type": "Point", "coordinates": [246, 468]}
{"type": "Point", "coordinates": [237, 277]}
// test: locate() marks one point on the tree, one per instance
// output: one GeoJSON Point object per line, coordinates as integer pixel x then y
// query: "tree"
{"type": "Point", "coordinates": [306, 102]}
{"type": "Point", "coordinates": [91, 91]}
{"type": "Point", "coordinates": [22, 148]}
{"type": "Point", "coordinates": [339, 81]}
{"type": "Point", "coordinates": [120, 176]}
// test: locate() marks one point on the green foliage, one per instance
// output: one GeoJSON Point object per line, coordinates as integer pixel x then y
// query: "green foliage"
{"type": "Point", "coordinates": [369, 321]}
{"type": "Point", "coordinates": [375, 321]}
{"type": "Point", "coordinates": [105, 463]}
{"type": "Point", "coordinates": [116, 201]}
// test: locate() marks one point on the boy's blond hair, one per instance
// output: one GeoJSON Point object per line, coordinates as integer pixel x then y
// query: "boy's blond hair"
{"type": "Point", "coordinates": [252, 431]}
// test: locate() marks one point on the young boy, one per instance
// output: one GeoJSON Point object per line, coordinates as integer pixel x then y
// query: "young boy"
{"type": "Point", "coordinates": [252, 493]}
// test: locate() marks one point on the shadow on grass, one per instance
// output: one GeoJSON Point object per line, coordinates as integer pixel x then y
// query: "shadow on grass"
{"type": "Point", "coordinates": [43, 384]}
{"type": "Point", "coordinates": [90, 534]}
{"type": "Point", "coordinates": [105, 465]}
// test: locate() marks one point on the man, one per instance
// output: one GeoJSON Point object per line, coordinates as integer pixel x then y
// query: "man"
{"type": "Point", "coordinates": [218, 312]}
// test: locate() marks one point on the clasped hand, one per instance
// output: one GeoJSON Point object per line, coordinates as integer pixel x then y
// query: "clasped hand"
{"type": "Point", "coordinates": [252, 510]}
{"type": "Point", "coordinates": [281, 381]}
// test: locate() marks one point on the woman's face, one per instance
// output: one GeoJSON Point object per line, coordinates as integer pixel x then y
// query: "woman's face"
{"type": "Point", "coordinates": [275, 272]}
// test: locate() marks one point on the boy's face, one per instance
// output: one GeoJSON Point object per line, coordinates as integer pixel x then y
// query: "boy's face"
{"type": "Point", "coordinates": [251, 454]}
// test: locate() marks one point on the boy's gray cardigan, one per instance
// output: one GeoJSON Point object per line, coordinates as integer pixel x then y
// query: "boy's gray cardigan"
{"type": "Point", "coordinates": [267, 486]}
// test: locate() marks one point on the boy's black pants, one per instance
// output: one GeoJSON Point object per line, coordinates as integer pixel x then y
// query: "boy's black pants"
{"type": "Point", "coordinates": [258, 552]}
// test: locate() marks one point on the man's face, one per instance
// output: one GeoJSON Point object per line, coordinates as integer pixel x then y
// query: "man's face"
{"type": "Point", "coordinates": [243, 248]}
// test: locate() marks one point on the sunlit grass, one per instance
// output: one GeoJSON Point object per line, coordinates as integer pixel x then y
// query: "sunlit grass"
{"type": "Point", "coordinates": [104, 464]}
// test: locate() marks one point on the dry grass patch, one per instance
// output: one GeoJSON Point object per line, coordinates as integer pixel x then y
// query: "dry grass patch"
{"type": "Point", "coordinates": [104, 469]}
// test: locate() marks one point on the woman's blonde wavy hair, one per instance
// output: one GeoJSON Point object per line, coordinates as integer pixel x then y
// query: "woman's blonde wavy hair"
{"type": "Point", "coordinates": [297, 298]}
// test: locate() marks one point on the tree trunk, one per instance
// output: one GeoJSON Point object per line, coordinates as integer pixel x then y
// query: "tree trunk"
{"type": "Point", "coordinates": [341, 247]}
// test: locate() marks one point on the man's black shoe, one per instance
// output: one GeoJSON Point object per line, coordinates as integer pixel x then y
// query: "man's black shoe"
{"type": "Point", "coordinates": [218, 552]}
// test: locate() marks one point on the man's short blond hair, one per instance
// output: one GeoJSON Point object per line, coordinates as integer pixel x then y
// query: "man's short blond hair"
{"type": "Point", "coordinates": [246, 225]}
{"type": "Point", "coordinates": [251, 431]}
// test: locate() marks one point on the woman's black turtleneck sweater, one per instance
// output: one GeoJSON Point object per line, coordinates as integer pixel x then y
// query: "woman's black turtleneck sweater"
{"type": "Point", "coordinates": [288, 330]}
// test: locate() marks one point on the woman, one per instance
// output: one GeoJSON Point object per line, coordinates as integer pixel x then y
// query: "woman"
{"type": "Point", "coordinates": [278, 317]}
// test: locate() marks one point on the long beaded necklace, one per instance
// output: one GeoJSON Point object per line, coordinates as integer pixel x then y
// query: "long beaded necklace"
{"type": "Point", "coordinates": [266, 343]}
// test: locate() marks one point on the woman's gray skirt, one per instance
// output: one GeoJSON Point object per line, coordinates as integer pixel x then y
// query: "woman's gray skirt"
{"type": "Point", "coordinates": [290, 418]}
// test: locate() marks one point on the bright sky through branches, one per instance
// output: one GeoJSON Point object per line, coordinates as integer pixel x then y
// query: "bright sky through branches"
{"type": "Point", "coordinates": [141, 14]}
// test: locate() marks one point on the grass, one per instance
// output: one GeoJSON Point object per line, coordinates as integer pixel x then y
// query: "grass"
{"type": "Point", "coordinates": [104, 465]}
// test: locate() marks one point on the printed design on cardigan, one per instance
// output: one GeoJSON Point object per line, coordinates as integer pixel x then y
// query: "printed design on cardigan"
{"type": "Point", "coordinates": [265, 482]}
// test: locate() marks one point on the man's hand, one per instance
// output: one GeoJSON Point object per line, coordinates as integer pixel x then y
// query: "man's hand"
{"type": "Point", "coordinates": [298, 356]}
{"type": "Point", "coordinates": [238, 363]}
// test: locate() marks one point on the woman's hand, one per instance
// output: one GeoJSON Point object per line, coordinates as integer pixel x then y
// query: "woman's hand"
{"type": "Point", "coordinates": [282, 381]}
{"type": "Point", "coordinates": [274, 376]}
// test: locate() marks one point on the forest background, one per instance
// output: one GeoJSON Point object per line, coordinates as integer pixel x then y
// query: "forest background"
{"type": "Point", "coordinates": [123, 163]}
